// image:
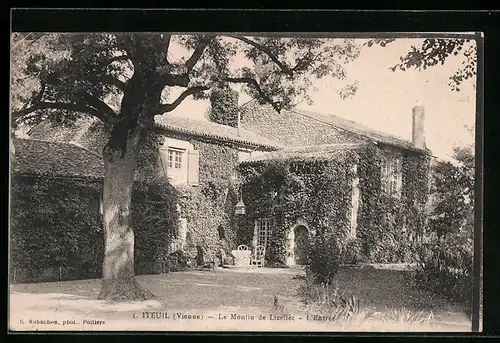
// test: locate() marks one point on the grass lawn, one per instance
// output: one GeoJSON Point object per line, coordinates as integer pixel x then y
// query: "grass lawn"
{"type": "Point", "coordinates": [387, 293]}
{"type": "Point", "coordinates": [216, 294]}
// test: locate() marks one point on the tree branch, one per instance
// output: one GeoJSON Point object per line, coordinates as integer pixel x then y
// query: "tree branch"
{"type": "Point", "coordinates": [164, 108]}
{"type": "Point", "coordinates": [198, 52]}
{"type": "Point", "coordinates": [282, 65]}
{"type": "Point", "coordinates": [52, 105]}
{"type": "Point", "coordinates": [18, 115]}
{"type": "Point", "coordinates": [252, 82]}
{"type": "Point", "coordinates": [173, 80]}
{"type": "Point", "coordinates": [99, 105]}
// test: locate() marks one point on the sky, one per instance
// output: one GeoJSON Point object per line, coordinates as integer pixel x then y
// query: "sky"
{"type": "Point", "coordinates": [385, 99]}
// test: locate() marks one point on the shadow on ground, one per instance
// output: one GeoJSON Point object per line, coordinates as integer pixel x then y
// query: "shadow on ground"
{"type": "Point", "coordinates": [247, 291]}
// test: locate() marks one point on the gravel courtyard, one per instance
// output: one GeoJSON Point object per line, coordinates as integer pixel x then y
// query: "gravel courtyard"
{"type": "Point", "coordinates": [220, 300]}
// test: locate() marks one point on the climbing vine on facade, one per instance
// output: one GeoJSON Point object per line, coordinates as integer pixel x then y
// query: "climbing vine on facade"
{"type": "Point", "coordinates": [319, 190]}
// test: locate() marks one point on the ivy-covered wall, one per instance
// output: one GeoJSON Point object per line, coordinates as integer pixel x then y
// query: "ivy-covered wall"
{"type": "Point", "coordinates": [388, 227]}
{"type": "Point", "coordinates": [209, 207]}
{"type": "Point", "coordinates": [55, 222]}
{"type": "Point", "coordinates": [224, 106]}
{"type": "Point", "coordinates": [319, 191]}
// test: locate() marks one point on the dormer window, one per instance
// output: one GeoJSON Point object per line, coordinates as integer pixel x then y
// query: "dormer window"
{"type": "Point", "coordinates": [392, 176]}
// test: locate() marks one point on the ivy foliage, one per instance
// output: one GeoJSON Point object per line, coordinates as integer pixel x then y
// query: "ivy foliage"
{"type": "Point", "coordinates": [55, 223]}
{"type": "Point", "coordinates": [224, 106]}
{"type": "Point", "coordinates": [155, 221]}
{"type": "Point", "coordinates": [209, 207]}
{"type": "Point", "coordinates": [388, 226]}
{"type": "Point", "coordinates": [320, 192]}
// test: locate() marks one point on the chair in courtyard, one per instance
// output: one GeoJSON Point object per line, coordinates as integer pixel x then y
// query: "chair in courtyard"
{"type": "Point", "coordinates": [241, 256]}
{"type": "Point", "coordinates": [258, 257]}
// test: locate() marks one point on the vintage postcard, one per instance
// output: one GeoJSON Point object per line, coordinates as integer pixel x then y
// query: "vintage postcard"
{"type": "Point", "coordinates": [244, 182]}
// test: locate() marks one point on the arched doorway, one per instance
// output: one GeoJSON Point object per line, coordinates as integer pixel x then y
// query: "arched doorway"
{"type": "Point", "coordinates": [301, 246]}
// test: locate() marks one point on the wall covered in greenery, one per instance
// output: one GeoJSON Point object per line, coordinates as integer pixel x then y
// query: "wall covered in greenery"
{"type": "Point", "coordinates": [319, 191]}
{"type": "Point", "coordinates": [389, 227]}
{"type": "Point", "coordinates": [55, 222]}
{"type": "Point", "coordinates": [209, 207]}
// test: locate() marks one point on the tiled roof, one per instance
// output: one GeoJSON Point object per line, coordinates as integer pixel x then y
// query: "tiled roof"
{"type": "Point", "coordinates": [44, 158]}
{"type": "Point", "coordinates": [91, 134]}
{"type": "Point", "coordinates": [303, 128]}
{"type": "Point", "coordinates": [356, 128]}
{"type": "Point", "coordinates": [87, 132]}
{"type": "Point", "coordinates": [214, 130]}
{"type": "Point", "coordinates": [305, 152]}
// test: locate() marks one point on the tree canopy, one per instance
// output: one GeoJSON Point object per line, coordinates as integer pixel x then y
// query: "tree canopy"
{"type": "Point", "coordinates": [436, 51]}
{"type": "Point", "coordinates": [61, 76]}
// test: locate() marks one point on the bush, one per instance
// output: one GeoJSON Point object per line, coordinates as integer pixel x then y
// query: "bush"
{"type": "Point", "coordinates": [445, 268]}
{"type": "Point", "coordinates": [352, 251]}
{"type": "Point", "coordinates": [324, 259]}
{"type": "Point", "coordinates": [178, 261]}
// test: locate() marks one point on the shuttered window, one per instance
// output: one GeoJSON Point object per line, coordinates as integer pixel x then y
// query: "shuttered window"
{"type": "Point", "coordinates": [392, 176]}
{"type": "Point", "coordinates": [180, 165]}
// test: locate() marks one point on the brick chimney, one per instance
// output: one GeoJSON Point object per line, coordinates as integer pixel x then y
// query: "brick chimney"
{"type": "Point", "coordinates": [418, 131]}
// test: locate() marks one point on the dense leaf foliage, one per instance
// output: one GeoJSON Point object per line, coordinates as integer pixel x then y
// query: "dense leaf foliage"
{"type": "Point", "coordinates": [62, 76]}
{"type": "Point", "coordinates": [453, 193]}
{"type": "Point", "coordinates": [319, 191]}
{"type": "Point", "coordinates": [436, 51]}
{"type": "Point", "coordinates": [56, 223]}
{"type": "Point", "coordinates": [445, 265]}
{"type": "Point", "coordinates": [224, 106]}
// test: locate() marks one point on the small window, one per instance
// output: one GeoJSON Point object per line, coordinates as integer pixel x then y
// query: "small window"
{"type": "Point", "coordinates": [392, 176]}
{"type": "Point", "coordinates": [175, 158]}
{"type": "Point", "coordinates": [180, 165]}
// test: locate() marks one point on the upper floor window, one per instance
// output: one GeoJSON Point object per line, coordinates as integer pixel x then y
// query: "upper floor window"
{"type": "Point", "coordinates": [180, 165]}
{"type": "Point", "coordinates": [392, 176]}
{"type": "Point", "coordinates": [175, 158]}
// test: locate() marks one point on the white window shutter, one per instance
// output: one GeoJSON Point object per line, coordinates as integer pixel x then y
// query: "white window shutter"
{"type": "Point", "coordinates": [193, 167]}
{"type": "Point", "coordinates": [164, 160]}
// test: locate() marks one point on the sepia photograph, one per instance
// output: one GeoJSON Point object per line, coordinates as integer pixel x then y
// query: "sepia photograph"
{"type": "Point", "coordinates": [241, 182]}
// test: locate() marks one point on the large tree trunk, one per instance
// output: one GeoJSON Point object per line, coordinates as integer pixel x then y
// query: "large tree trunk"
{"type": "Point", "coordinates": [140, 100]}
{"type": "Point", "coordinates": [119, 281]}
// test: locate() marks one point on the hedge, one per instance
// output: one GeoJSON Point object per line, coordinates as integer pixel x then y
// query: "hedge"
{"type": "Point", "coordinates": [55, 222]}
